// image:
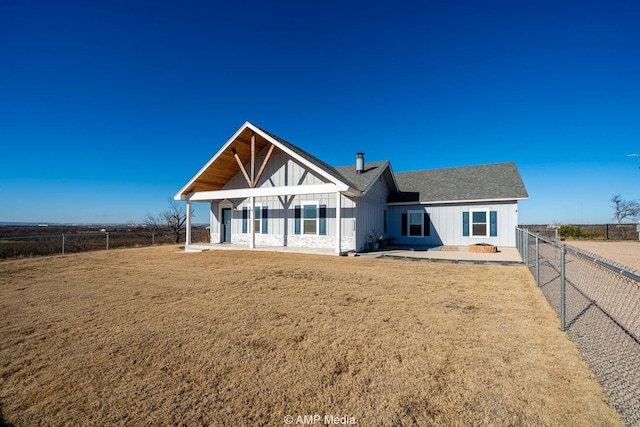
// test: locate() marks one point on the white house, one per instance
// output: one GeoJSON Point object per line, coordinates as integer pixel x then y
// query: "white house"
{"type": "Point", "coordinates": [265, 191]}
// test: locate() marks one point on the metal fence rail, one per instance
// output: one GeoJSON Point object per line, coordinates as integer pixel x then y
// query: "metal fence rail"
{"type": "Point", "coordinates": [64, 243]}
{"type": "Point", "coordinates": [598, 302]}
{"type": "Point", "coordinates": [26, 241]}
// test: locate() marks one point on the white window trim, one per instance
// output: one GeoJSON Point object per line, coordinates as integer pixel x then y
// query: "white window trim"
{"type": "Point", "coordinates": [302, 219]}
{"type": "Point", "coordinates": [259, 229]}
{"type": "Point", "coordinates": [421, 212]}
{"type": "Point", "coordinates": [487, 223]}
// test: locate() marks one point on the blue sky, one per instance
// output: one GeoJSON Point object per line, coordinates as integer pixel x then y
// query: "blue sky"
{"type": "Point", "coordinates": [108, 108]}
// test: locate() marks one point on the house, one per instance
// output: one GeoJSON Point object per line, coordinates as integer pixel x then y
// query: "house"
{"type": "Point", "coordinates": [265, 191]}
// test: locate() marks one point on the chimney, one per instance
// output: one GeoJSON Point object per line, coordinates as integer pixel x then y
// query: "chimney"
{"type": "Point", "coordinates": [359, 163]}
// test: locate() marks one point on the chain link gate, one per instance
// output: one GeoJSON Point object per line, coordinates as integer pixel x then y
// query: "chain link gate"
{"type": "Point", "coordinates": [598, 302]}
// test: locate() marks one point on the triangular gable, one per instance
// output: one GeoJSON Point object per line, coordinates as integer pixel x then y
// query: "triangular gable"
{"type": "Point", "coordinates": [365, 180]}
{"type": "Point", "coordinates": [223, 166]}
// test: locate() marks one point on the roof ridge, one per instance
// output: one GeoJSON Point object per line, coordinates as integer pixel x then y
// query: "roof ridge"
{"type": "Point", "coordinates": [366, 163]}
{"type": "Point", "coordinates": [458, 167]}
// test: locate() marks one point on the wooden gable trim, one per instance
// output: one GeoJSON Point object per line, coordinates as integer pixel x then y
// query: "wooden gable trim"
{"type": "Point", "coordinates": [242, 146]}
{"type": "Point", "coordinates": [264, 165]}
{"type": "Point", "coordinates": [242, 168]}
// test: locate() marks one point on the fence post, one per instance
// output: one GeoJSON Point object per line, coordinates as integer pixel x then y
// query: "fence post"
{"type": "Point", "coordinates": [62, 243]}
{"type": "Point", "coordinates": [153, 238]}
{"type": "Point", "coordinates": [537, 262]}
{"type": "Point", "coordinates": [562, 289]}
{"type": "Point", "coordinates": [526, 248]}
{"type": "Point", "coordinates": [107, 240]}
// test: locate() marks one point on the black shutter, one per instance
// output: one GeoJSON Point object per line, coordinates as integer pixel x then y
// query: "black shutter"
{"type": "Point", "coordinates": [245, 216]}
{"type": "Point", "coordinates": [404, 224]}
{"type": "Point", "coordinates": [265, 220]}
{"type": "Point", "coordinates": [297, 215]}
{"type": "Point", "coordinates": [322, 220]}
{"type": "Point", "coordinates": [427, 225]}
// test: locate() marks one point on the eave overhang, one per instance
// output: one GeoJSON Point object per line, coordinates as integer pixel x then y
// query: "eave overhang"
{"type": "Point", "coordinates": [454, 202]}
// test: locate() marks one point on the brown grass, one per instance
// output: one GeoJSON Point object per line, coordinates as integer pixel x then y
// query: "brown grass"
{"type": "Point", "coordinates": [154, 337]}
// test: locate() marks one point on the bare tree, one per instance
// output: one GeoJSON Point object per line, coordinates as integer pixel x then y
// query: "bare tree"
{"type": "Point", "coordinates": [624, 208]}
{"type": "Point", "coordinates": [173, 218]}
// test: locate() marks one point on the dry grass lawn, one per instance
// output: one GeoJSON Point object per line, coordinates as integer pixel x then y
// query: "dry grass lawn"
{"type": "Point", "coordinates": [155, 337]}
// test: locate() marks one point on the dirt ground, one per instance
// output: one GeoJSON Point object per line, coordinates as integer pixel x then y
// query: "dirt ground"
{"type": "Point", "coordinates": [156, 337]}
{"type": "Point", "coordinates": [626, 253]}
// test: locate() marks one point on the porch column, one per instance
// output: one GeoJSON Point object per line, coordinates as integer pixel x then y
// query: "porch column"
{"type": "Point", "coordinates": [252, 214]}
{"type": "Point", "coordinates": [338, 222]}
{"type": "Point", "coordinates": [212, 221]}
{"type": "Point", "coordinates": [188, 218]}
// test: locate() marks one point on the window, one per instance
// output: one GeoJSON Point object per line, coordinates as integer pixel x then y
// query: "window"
{"type": "Point", "coordinates": [260, 220]}
{"type": "Point", "coordinates": [310, 219]}
{"type": "Point", "coordinates": [481, 223]}
{"type": "Point", "coordinates": [416, 224]}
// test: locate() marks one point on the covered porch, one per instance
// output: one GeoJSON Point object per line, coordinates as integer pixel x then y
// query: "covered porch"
{"type": "Point", "coordinates": [246, 210]}
{"type": "Point", "coordinates": [261, 174]}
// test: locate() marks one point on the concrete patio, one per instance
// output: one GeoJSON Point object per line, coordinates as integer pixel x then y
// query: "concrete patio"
{"type": "Point", "coordinates": [505, 255]}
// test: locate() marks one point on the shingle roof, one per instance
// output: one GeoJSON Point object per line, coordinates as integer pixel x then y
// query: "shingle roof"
{"type": "Point", "coordinates": [361, 181]}
{"type": "Point", "coordinates": [483, 182]}
{"type": "Point", "coordinates": [311, 158]}
{"type": "Point", "coordinates": [497, 181]}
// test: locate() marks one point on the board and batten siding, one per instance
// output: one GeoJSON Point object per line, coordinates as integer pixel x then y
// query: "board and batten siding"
{"type": "Point", "coordinates": [281, 222]}
{"type": "Point", "coordinates": [283, 171]}
{"type": "Point", "coordinates": [370, 213]}
{"type": "Point", "coordinates": [446, 223]}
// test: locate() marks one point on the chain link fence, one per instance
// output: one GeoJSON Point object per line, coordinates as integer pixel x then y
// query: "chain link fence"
{"type": "Point", "coordinates": [598, 302]}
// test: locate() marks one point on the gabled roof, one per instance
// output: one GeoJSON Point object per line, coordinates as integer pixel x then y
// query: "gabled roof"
{"type": "Point", "coordinates": [494, 182]}
{"type": "Point", "coordinates": [500, 181]}
{"type": "Point", "coordinates": [222, 167]}
{"type": "Point", "coordinates": [362, 181]}
{"type": "Point", "coordinates": [310, 158]}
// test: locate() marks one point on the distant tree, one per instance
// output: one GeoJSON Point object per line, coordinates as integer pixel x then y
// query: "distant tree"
{"type": "Point", "coordinates": [624, 208]}
{"type": "Point", "coordinates": [173, 218]}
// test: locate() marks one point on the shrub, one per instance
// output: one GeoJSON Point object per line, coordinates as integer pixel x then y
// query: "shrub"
{"type": "Point", "coordinates": [575, 232]}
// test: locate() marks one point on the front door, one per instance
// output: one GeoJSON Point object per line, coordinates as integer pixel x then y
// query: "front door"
{"type": "Point", "coordinates": [226, 225]}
